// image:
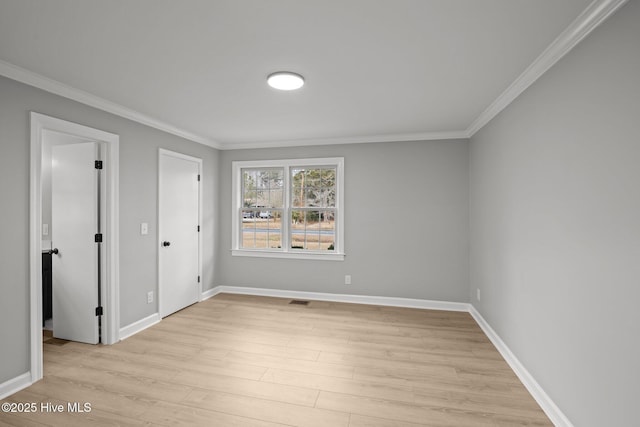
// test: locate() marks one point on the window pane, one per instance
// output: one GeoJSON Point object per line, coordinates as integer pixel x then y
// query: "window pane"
{"type": "Point", "coordinates": [312, 177]}
{"type": "Point", "coordinates": [267, 230]}
{"type": "Point", "coordinates": [261, 229]}
{"type": "Point", "coordinates": [298, 229]}
{"type": "Point", "coordinates": [261, 179]}
{"type": "Point", "coordinates": [270, 178]}
{"type": "Point", "coordinates": [327, 231]}
{"type": "Point", "coordinates": [312, 230]}
{"type": "Point", "coordinates": [262, 189]}
{"type": "Point", "coordinates": [276, 198]}
{"type": "Point", "coordinates": [248, 229]}
{"type": "Point", "coordinates": [311, 197]}
{"type": "Point", "coordinates": [312, 241]}
{"type": "Point", "coordinates": [297, 187]}
{"type": "Point", "coordinates": [262, 198]}
{"type": "Point", "coordinates": [329, 177]}
{"type": "Point", "coordinates": [328, 195]}
{"type": "Point", "coordinates": [248, 215]}
{"type": "Point", "coordinates": [248, 188]}
{"type": "Point", "coordinates": [313, 187]}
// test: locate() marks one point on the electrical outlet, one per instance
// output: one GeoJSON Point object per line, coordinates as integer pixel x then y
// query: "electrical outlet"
{"type": "Point", "coordinates": [347, 279]}
{"type": "Point", "coordinates": [478, 294]}
{"type": "Point", "coordinates": [149, 297]}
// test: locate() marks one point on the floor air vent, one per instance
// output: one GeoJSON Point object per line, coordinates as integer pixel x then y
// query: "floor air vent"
{"type": "Point", "coordinates": [298, 302]}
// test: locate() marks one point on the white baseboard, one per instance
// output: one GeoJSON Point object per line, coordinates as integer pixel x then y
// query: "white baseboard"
{"type": "Point", "coordinates": [355, 299]}
{"type": "Point", "coordinates": [557, 417]}
{"type": "Point", "coordinates": [138, 326]}
{"type": "Point", "coordinates": [14, 385]}
{"type": "Point", "coordinates": [210, 293]}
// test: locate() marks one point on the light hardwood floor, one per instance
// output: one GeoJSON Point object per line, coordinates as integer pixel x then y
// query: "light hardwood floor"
{"type": "Point", "coordinates": [256, 361]}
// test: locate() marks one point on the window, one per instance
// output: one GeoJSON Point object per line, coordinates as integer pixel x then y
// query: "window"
{"type": "Point", "coordinates": [288, 208]}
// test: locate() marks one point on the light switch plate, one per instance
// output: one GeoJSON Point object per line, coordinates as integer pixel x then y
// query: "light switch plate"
{"type": "Point", "coordinates": [45, 229]}
{"type": "Point", "coordinates": [144, 228]}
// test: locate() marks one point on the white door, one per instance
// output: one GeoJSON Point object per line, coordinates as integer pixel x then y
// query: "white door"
{"type": "Point", "coordinates": [74, 213]}
{"type": "Point", "coordinates": [179, 199]}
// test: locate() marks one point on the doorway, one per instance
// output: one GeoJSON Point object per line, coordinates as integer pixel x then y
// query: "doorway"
{"type": "Point", "coordinates": [85, 142]}
{"type": "Point", "coordinates": [179, 242]}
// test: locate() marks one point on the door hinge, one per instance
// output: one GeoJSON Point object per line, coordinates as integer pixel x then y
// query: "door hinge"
{"type": "Point", "coordinates": [198, 177]}
{"type": "Point", "coordinates": [98, 311]}
{"type": "Point", "coordinates": [98, 238]}
{"type": "Point", "coordinates": [98, 164]}
{"type": "Point", "coordinates": [198, 229]}
{"type": "Point", "coordinates": [198, 279]}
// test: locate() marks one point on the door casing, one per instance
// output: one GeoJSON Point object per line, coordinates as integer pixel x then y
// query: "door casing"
{"type": "Point", "coordinates": [110, 291]}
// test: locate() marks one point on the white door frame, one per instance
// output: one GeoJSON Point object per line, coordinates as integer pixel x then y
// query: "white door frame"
{"type": "Point", "coordinates": [110, 291]}
{"type": "Point", "coordinates": [165, 152]}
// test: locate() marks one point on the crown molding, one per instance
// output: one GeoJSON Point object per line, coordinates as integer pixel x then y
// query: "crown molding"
{"type": "Point", "coordinates": [53, 86]}
{"type": "Point", "coordinates": [594, 15]}
{"type": "Point", "coordinates": [425, 136]}
{"type": "Point", "coordinates": [41, 82]}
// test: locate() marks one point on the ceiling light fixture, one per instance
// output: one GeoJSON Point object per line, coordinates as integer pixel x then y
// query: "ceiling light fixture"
{"type": "Point", "coordinates": [285, 80]}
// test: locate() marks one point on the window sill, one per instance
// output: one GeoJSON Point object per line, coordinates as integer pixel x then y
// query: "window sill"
{"type": "Point", "coordinates": [319, 256]}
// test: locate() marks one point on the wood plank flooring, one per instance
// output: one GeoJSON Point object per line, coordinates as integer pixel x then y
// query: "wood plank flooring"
{"type": "Point", "coordinates": [237, 360]}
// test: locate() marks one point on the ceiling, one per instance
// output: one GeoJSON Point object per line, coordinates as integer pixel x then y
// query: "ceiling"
{"type": "Point", "coordinates": [383, 70]}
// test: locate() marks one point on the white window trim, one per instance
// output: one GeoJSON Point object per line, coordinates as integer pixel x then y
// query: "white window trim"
{"type": "Point", "coordinates": [286, 252]}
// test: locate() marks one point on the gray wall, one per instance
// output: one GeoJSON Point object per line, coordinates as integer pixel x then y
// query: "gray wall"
{"type": "Point", "coordinates": [138, 202]}
{"type": "Point", "coordinates": [555, 226]}
{"type": "Point", "coordinates": [406, 224]}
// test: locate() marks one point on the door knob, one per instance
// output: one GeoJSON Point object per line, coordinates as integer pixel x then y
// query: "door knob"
{"type": "Point", "coordinates": [165, 244]}
{"type": "Point", "coordinates": [53, 251]}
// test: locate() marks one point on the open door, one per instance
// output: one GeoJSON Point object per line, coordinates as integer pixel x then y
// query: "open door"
{"type": "Point", "coordinates": [76, 222]}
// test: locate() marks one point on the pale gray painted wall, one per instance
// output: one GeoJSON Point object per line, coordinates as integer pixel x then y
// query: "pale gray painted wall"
{"type": "Point", "coordinates": [555, 226]}
{"type": "Point", "coordinates": [138, 202]}
{"type": "Point", "coordinates": [406, 224]}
